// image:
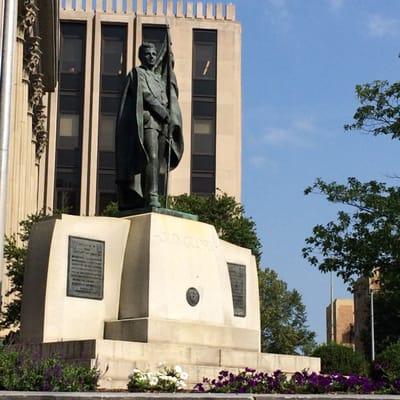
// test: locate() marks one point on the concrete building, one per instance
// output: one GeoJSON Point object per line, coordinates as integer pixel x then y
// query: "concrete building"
{"type": "Point", "coordinates": [34, 32]}
{"type": "Point", "coordinates": [98, 47]}
{"type": "Point", "coordinates": [67, 161]}
{"type": "Point", "coordinates": [362, 310]}
{"type": "Point", "coordinates": [343, 322]}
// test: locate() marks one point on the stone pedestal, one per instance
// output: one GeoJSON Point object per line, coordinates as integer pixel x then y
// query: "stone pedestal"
{"type": "Point", "coordinates": [136, 291]}
{"type": "Point", "coordinates": [147, 278]}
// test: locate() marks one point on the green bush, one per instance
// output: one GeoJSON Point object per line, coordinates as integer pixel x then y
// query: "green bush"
{"type": "Point", "coordinates": [389, 359]}
{"type": "Point", "coordinates": [341, 359]}
{"type": "Point", "coordinates": [22, 371]}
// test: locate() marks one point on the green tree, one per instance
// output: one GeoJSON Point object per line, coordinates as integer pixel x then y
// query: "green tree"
{"type": "Point", "coordinates": [379, 110]}
{"type": "Point", "coordinates": [364, 237]}
{"type": "Point", "coordinates": [283, 317]}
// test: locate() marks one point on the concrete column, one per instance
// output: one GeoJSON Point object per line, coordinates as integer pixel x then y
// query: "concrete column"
{"type": "Point", "coordinates": [109, 5]}
{"type": "Point", "coordinates": [51, 148]}
{"type": "Point", "coordinates": [119, 6]}
{"type": "Point", "coordinates": [139, 7]}
{"type": "Point", "coordinates": [149, 8]}
{"type": "Point", "coordinates": [209, 11]}
{"type": "Point", "coordinates": [89, 170]}
{"type": "Point", "coordinates": [230, 12]}
{"type": "Point", "coordinates": [219, 11]}
{"type": "Point", "coordinates": [129, 7]}
{"type": "Point", "coordinates": [160, 7]}
{"type": "Point", "coordinates": [189, 9]}
{"type": "Point", "coordinates": [170, 8]}
{"type": "Point", "coordinates": [199, 10]}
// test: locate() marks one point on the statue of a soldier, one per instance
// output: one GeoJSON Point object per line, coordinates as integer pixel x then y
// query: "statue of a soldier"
{"type": "Point", "coordinates": [149, 138]}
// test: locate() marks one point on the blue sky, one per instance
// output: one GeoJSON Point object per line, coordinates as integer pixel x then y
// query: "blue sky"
{"type": "Point", "coordinates": [301, 61]}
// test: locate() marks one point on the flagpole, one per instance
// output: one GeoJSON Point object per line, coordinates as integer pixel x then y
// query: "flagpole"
{"type": "Point", "coordinates": [169, 108]}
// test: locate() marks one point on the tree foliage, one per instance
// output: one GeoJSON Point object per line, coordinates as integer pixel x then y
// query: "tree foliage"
{"type": "Point", "coordinates": [379, 110]}
{"type": "Point", "coordinates": [283, 317]}
{"type": "Point", "coordinates": [364, 237]}
{"type": "Point", "coordinates": [337, 358]}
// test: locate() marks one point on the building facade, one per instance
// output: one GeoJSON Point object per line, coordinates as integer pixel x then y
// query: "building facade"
{"type": "Point", "coordinates": [99, 45]}
{"type": "Point", "coordinates": [34, 76]}
{"type": "Point", "coordinates": [343, 322]}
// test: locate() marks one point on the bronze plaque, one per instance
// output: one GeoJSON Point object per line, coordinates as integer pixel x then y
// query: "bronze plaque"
{"type": "Point", "coordinates": [192, 296]}
{"type": "Point", "coordinates": [237, 275]}
{"type": "Point", "coordinates": [85, 268]}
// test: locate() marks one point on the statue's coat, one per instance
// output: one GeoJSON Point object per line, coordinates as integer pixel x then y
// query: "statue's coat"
{"type": "Point", "coordinates": [131, 156]}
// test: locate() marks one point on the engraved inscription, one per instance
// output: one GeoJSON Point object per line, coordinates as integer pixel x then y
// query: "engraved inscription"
{"type": "Point", "coordinates": [85, 268]}
{"type": "Point", "coordinates": [237, 276]}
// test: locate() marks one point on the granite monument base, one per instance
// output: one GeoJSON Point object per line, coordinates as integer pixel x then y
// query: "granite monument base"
{"type": "Point", "coordinates": [135, 291]}
{"type": "Point", "coordinates": [117, 359]}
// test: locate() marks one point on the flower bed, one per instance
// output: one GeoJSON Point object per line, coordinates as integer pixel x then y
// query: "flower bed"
{"type": "Point", "coordinates": [251, 381]}
{"type": "Point", "coordinates": [166, 379]}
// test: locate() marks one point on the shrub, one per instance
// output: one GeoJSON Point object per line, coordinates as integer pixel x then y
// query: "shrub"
{"type": "Point", "coordinates": [23, 371]}
{"type": "Point", "coordinates": [166, 379]}
{"type": "Point", "coordinates": [337, 358]}
{"type": "Point", "coordinates": [389, 360]}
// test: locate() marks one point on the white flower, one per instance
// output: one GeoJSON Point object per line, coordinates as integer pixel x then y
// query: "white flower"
{"type": "Point", "coordinates": [153, 381]}
{"type": "Point", "coordinates": [184, 375]}
{"type": "Point", "coordinates": [178, 369]}
{"type": "Point", "coordinates": [181, 385]}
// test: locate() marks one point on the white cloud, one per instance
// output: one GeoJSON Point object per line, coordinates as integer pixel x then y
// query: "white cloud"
{"type": "Point", "coordinates": [278, 14]}
{"type": "Point", "coordinates": [335, 4]}
{"type": "Point", "coordinates": [298, 132]}
{"type": "Point", "coordinates": [380, 26]}
{"type": "Point", "coordinates": [261, 161]}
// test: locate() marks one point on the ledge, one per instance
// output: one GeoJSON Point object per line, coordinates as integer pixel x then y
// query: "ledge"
{"type": "Point", "coordinates": [185, 396]}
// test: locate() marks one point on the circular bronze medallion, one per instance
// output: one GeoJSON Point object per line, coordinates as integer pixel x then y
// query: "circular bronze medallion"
{"type": "Point", "coordinates": [192, 296]}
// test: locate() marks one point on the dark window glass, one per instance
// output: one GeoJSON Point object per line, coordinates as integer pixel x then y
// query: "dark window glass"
{"type": "Point", "coordinates": [204, 111]}
{"type": "Point", "coordinates": [109, 103]}
{"type": "Point", "coordinates": [71, 82]}
{"type": "Point", "coordinates": [205, 36]}
{"type": "Point", "coordinates": [70, 101]}
{"type": "Point", "coordinates": [203, 87]}
{"type": "Point", "coordinates": [69, 133]}
{"type": "Point", "coordinates": [113, 71]}
{"type": "Point", "coordinates": [67, 201]}
{"type": "Point", "coordinates": [154, 34]}
{"type": "Point", "coordinates": [203, 108]}
{"type": "Point", "coordinates": [204, 67]}
{"type": "Point", "coordinates": [72, 46]}
{"type": "Point", "coordinates": [203, 184]}
{"type": "Point", "coordinates": [203, 163]}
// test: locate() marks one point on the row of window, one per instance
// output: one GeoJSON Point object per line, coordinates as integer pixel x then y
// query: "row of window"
{"type": "Point", "coordinates": [112, 74]}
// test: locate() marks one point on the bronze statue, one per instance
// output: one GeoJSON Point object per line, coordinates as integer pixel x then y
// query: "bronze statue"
{"type": "Point", "coordinates": [149, 139]}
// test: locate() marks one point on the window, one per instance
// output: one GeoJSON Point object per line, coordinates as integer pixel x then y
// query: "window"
{"type": "Point", "coordinates": [113, 72]}
{"type": "Point", "coordinates": [69, 132]}
{"type": "Point", "coordinates": [204, 61]}
{"type": "Point", "coordinates": [154, 34]}
{"type": "Point", "coordinates": [204, 112]}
